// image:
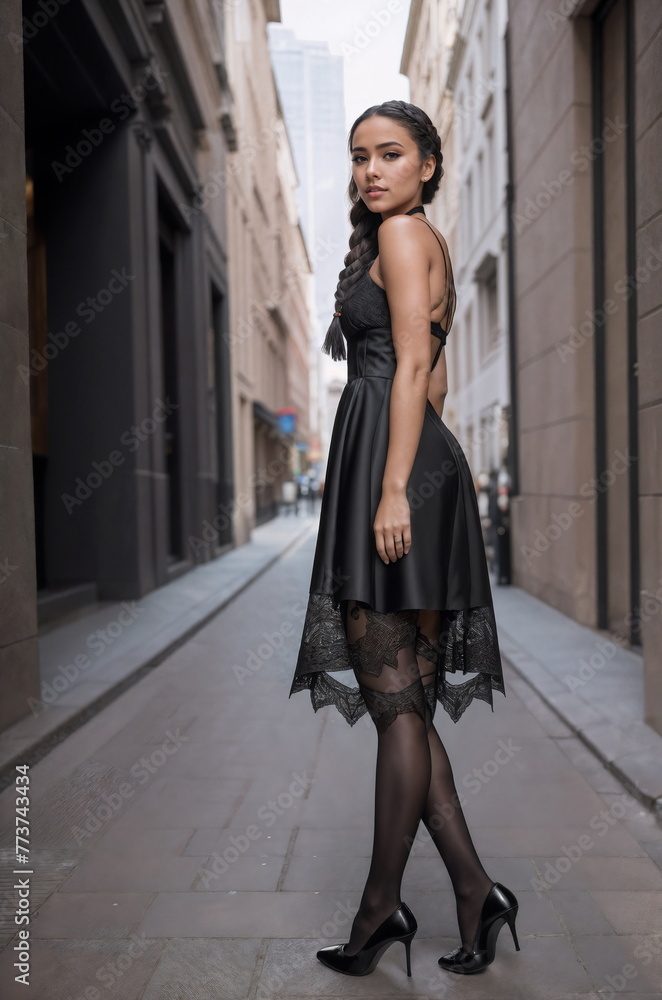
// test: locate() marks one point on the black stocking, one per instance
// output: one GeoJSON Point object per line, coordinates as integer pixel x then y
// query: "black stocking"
{"type": "Point", "coordinates": [414, 778]}
{"type": "Point", "coordinates": [443, 816]}
{"type": "Point", "coordinates": [383, 651]}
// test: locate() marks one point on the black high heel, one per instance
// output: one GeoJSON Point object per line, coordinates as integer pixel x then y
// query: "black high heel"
{"type": "Point", "coordinates": [400, 926]}
{"type": "Point", "coordinates": [500, 907]}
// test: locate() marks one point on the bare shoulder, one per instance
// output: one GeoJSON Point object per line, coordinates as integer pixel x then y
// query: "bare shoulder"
{"type": "Point", "coordinates": [395, 228]}
{"type": "Point", "coordinates": [401, 242]}
{"type": "Point", "coordinates": [408, 229]}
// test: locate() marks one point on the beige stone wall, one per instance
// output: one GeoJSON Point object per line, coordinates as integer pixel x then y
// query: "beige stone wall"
{"type": "Point", "coordinates": [426, 60]}
{"type": "Point", "coordinates": [268, 265]}
{"type": "Point", "coordinates": [453, 55]}
{"type": "Point", "coordinates": [427, 63]}
{"type": "Point", "coordinates": [551, 106]}
{"type": "Point", "coordinates": [554, 261]}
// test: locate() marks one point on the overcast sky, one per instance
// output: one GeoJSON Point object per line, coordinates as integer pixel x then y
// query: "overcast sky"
{"type": "Point", "coordinates": [368, 33]}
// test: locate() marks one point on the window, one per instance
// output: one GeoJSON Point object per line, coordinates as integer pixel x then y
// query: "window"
{"type": "Point", "coordinates": [468, 348]}
{"type": "Point", "coordinates": [468, 215]}
{"type": "Point", "coordinates": [491, 171]}
{"type": "Point", "coordinates": [480, 200]}
{"type": "Point", "coordinates": [492, 313]}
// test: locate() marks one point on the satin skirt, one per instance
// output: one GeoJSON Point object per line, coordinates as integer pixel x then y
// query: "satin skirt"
{"type": "Point", "coordinates": [445, 568]}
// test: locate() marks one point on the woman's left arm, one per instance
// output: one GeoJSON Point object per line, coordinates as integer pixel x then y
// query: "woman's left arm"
{"type": "Point", "coordinates": [405, 268]}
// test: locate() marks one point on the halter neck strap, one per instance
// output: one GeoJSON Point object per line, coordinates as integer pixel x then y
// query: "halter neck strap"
{"type": "Point", "coordinates": [419, 208]}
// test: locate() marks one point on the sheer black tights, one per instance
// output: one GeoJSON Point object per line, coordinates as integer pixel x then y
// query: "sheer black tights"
{"type": "Point", "coordinates": [394, 657]}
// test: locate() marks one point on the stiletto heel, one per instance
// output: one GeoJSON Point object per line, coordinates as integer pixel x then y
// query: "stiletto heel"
{"type": "Point", "coordinates": [407, 944]}
{"type": "Point", "coordinates": [510, 917]}
{"type": "Point", "coordinates": [500, 907]}
{"type": "Point", "coordinates": [400, 926]}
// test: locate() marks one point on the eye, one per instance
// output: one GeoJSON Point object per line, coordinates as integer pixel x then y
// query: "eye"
{"type": "Point", "coordinates": [359, 156]}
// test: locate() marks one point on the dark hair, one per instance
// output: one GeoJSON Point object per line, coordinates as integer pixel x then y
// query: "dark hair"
{"type": "Point", "coordinates": [363, 241]}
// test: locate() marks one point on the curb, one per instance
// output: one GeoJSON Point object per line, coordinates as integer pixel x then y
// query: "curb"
{"type": "Point", "coordinates": [629, 768]}
{"type": "Point", "coordinates": [31, 752]}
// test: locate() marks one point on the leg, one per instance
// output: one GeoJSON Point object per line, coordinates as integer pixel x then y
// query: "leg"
{"type": "Point", "coordinates": [443, 816]}
{"type": "Point", "coordinates": [382, 647]}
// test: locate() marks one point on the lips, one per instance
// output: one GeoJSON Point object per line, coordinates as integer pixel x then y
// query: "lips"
{"type": "Point", "coordinates": [371, 189]}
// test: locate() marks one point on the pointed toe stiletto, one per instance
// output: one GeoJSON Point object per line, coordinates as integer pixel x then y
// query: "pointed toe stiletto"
{"type": "Point", "coordinates": [500, 907]}
{"type": "Point", "coordinates": [400, 926]}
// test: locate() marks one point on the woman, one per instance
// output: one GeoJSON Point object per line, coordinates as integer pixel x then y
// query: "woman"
{"type": "Point", "coordinates": [400, 591]}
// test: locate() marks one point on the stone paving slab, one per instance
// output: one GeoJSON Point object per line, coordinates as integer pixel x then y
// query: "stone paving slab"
{"type": "Point", "coordinates": [81, 673]}
{"type": "Point", "coordinates": [544, 968]}
{"type": "Point", "coordinates": [245, 847]}
{"type": "Point", "coordinates": [594, 684]}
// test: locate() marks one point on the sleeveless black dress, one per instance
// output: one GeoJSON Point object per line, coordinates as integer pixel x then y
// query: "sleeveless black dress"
{"type": "Point", "coordinates": [446, 566]}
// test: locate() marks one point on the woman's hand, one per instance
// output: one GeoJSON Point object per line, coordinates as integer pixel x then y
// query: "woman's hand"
{"type": "Point", "coordinates": [392, 525]}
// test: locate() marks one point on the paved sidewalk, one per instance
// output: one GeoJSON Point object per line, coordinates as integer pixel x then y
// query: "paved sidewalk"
{"type": "Point", "coordinates": [203, 835]}
{"type": "Point", "coordinates": [93, 655]}
{"type": "Point", "coordinates": [594, 685]}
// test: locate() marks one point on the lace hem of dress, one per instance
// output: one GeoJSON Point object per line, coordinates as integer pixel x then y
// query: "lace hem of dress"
{"type": "Point", "coordinates": [468, 644]}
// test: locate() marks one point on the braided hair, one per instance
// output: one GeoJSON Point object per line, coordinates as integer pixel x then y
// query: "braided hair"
{"type": "Point", "coordinates": [363, 246]}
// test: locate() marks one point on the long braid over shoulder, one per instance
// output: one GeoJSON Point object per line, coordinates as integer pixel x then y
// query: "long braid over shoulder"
{"type": "Point", "coordinates": [363, 246]}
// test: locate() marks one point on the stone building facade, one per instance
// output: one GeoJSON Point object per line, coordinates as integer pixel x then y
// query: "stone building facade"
{"type": "Point", "coordinates": [125, 450]}
{"type": "Point", "coordinates": [578, 104]}
{"type": "Point", "coordinates": [454, 57]}
{"type": "Point", "coordinates": [586, 114]}
{"type": "Point", "coordinates": [272, 293]}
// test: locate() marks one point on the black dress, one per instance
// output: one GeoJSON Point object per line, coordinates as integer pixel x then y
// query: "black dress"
{"type": "Point", "coordinates": [446, 566]}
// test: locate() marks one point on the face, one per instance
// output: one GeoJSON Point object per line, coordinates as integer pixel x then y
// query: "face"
{"type": "Point", "coordinates": [385, 158]}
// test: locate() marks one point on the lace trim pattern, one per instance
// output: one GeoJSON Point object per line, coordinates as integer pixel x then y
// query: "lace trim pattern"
{"type": "Point", "coordinates": [468, 644]}
{"type": "Point", "coordinates": [385, 635]}
{"type": "Point", "coordinates": [384, 706]}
